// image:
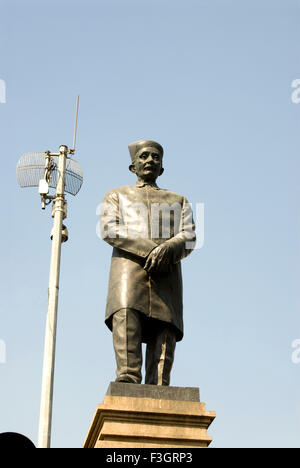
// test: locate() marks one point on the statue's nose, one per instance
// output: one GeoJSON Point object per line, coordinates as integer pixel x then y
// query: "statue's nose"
{"type": "Point", "coordinates": [150, 159]}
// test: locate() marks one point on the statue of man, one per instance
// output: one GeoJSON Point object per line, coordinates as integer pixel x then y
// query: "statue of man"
{"type": "Point", "coordinates": [151, 231]}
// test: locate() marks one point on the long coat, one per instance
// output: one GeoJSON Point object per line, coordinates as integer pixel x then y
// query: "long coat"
{"type": "Point", "coordinates": [135, 220]}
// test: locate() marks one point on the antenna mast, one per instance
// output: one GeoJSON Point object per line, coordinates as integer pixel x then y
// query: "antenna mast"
{"type": "Point", "coordinates": [59, 213]}
{"type": "Point", "coordinates": [30, 167]}
{"type": "Point", "coordinates": [72, 151]}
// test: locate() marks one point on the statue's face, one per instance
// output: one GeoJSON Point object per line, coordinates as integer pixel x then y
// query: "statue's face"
{"type": "Point", "coordinates": [148, 165]}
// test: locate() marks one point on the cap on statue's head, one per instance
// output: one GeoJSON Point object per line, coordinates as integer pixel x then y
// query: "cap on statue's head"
{"type": "Point", "coordinates": [138, 147]}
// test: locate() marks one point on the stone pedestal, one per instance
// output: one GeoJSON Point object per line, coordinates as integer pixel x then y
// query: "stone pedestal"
{"type": "Point", "coordinates": [149, 416]}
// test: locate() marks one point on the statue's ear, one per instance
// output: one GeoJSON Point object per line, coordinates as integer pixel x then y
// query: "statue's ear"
{"type": "Point", "coordinates": [161, 171]}
{"type": "Point", "coordinates": [132, 168]}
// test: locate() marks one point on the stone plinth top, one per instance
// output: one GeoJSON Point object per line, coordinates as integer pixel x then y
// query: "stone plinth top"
{"type": "Point", "coordinates": [153, 391]}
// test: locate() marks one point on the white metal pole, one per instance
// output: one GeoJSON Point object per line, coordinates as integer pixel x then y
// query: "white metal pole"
{"type": "Point", "coordinates": [44, 436]}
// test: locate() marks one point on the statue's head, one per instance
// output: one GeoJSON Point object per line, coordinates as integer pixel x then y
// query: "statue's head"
{"type": "Point", "coordinates": [146, 158]}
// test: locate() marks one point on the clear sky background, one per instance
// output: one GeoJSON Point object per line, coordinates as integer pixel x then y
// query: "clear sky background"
{"type": "Point", "coordinates": [211, 81]}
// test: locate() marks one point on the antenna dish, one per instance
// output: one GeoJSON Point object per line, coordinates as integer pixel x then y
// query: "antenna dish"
{"type": "Point", "coordinates": [31, 169]}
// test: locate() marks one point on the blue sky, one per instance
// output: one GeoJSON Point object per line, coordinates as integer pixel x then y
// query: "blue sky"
{"type": "Point", "coordinates": [211, 81]}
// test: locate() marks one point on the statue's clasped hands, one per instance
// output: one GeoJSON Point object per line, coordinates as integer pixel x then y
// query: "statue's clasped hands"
{"type": "Point", "coordinates": [159, 259]}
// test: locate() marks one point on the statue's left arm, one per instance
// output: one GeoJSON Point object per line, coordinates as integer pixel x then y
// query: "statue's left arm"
{"type": "Point", "coordinates": [183, 243]}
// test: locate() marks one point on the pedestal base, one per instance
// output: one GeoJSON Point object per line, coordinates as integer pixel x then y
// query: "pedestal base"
{"type": "Point", "coordinates": [148, 416]}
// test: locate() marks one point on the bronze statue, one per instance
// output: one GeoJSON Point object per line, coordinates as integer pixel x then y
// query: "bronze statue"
{"type": "Point", "coordinates": [151, 231]}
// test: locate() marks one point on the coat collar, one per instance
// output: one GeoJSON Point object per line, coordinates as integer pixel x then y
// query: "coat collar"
{"type": "Point", "coordinates": [140, 184]}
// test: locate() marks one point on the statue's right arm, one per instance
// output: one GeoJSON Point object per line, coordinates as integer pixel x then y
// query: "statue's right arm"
{"type": "Point", "coordinates": [114, 230]}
